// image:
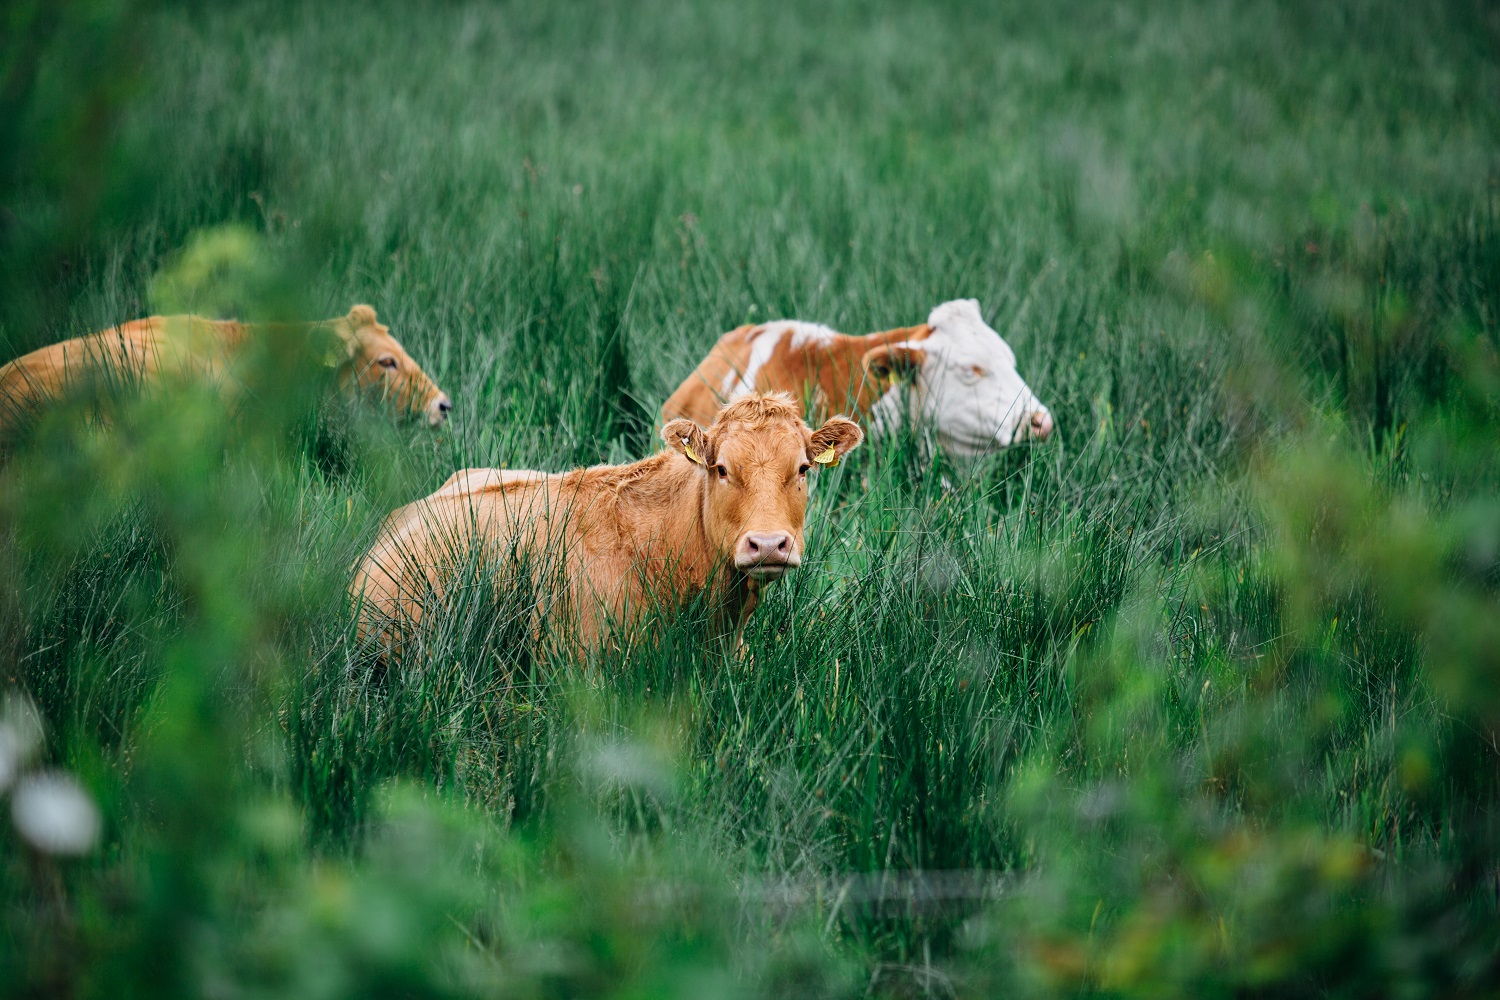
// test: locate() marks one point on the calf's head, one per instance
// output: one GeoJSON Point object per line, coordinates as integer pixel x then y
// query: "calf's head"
{"type": "Point", "coordinates": [368, 357]}
{"type": "Point", "coordinates": [755, 460]}
{"type": "Point", "coordinates": [962, 379]}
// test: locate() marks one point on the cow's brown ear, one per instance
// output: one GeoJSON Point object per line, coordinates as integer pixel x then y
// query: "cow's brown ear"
{"type": "Point", "coordinates": [890, 363]}
{"type": "Point", "coordinates": [361, 316]}
{"type": "Point", "coordinates": [687, 437]}
{"type": "Point", "coordinates": [835, 439]}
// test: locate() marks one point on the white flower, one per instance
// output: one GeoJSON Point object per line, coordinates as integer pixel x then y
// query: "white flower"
{"type": "Point", "coordinates": [54, 814]}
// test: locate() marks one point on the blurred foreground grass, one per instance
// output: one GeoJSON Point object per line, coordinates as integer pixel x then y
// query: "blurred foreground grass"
{"type": "Point", "coordinates": [1198, 699]}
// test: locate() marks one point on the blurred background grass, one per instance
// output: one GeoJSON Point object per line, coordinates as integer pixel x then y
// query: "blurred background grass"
{"type": "Point", "coordinates": [1197, 699]}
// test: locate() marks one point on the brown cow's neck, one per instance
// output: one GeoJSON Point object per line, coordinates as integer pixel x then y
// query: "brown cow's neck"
{"type": "Point", "coordinates": [899, 335]}
{"type": "Point", "coordinates": [235, 332]}
{"type": "Point", "coordinates": [837, 371]}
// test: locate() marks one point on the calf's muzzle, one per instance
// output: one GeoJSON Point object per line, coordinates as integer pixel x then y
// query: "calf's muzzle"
{"type": "Point", "coordinates": [438, 409]}
{"type": "Point", "coordinates": [766, 555]}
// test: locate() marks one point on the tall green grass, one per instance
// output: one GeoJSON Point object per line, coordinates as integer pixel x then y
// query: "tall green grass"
{"type": "Point", "coordinates": [1195, 698]}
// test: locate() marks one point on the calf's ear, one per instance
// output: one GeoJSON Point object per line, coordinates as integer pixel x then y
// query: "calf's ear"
{"type": "Point", "coordinates": [361, 316]}
{"type": "Point", "coordinates": [890, 363]}
{"type": "Point", "coordinates": [687, 437]}
{"type": "Point", "coordinates": [835, 439]}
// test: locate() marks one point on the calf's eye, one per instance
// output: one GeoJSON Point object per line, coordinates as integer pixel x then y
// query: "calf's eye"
{"type": "Point", "coordinates": [802, 469]}
{"type": "Point", "coordinates": [387, 362]}
{"type": "Point", "coordinates": [723, 472]}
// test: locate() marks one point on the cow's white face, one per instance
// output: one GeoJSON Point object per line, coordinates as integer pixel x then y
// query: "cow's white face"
{"type": "Point", "coordinates": [962, 381]}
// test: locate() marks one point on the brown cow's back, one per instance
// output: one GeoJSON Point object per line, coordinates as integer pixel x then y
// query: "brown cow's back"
{"type": "Point", "coordinates": [122, 356]}
{"type": "Point", "coordinates": [817, 366]}
{"type": "Point", "coordinates": [606, 542]}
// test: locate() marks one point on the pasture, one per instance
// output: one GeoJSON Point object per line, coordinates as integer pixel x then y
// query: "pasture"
{"type": "Point", "coordinates": [1196, 698]}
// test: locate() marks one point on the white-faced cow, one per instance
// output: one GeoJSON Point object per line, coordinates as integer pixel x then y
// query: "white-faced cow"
{"type": "Point", "coordinates": [367, 358]}
{"type": "Point", "coordinates": [719, 513]}
{"type": "Point", "coordinates": [953, 373]}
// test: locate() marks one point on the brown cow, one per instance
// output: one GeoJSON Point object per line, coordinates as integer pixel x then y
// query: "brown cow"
{"type": "Point", "coordinates": [366, 357]}
{"type": "Point", "coordinates": [953, 371]}
{"type": "Point", "coordinates": [720, 512]}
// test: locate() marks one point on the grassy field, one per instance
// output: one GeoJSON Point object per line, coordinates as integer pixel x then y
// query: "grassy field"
{"type": "Point", "coordinates": [1198, 698]}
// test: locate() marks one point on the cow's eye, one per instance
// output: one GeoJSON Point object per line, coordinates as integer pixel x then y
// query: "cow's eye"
{"type": "Point", "coordinates": [386, 362]}
{"type": "Point", "coordinates": [977, 371]}
{"type": "Point", "coordinates": [723, 472]}
{"type": "Point", "coordinates": [802, 469]}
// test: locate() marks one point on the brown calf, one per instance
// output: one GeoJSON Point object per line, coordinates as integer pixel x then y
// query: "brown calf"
{"type": "Point", "coordinates": [366, 357]}
{"type": "Point", "coordinates": [720, 513]}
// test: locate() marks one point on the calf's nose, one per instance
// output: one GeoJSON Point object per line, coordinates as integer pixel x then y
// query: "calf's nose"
{"type": "Point", "coordinates": [769, 545]}
{"type": "Point", "coordinates": [438, 409]}
{"type": "Point", "coordinates": [767, 553]}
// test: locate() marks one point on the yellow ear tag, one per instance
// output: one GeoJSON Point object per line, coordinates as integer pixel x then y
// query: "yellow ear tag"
{"type": "Point", "coordinates": [893, 379]}
{"type": "Point", "coordinates": [693, 455]}
{"type": "Point", "coordinates": [829, 457]}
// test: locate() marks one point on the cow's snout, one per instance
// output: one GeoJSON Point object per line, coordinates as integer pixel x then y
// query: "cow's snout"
{"type": "Point", "coordinates": [438, 409]}
{"type": "Point", "coordinates": [766, 554]}
{"type": "Point", "coordinates": [1040, 425]}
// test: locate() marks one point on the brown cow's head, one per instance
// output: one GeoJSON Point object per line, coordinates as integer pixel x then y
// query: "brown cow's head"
{"type": "Point", "coordinates": [376, 363]}
{"type": "Point", "coordinates": [756, 458]}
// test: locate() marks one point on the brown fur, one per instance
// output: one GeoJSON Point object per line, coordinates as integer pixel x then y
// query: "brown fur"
{"type": "Point", "coordinates": [620, 539]}
{"type": "Point", "coordinates": [148, 350]}
{"type": "Point", "coordinates": [844, 376]}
